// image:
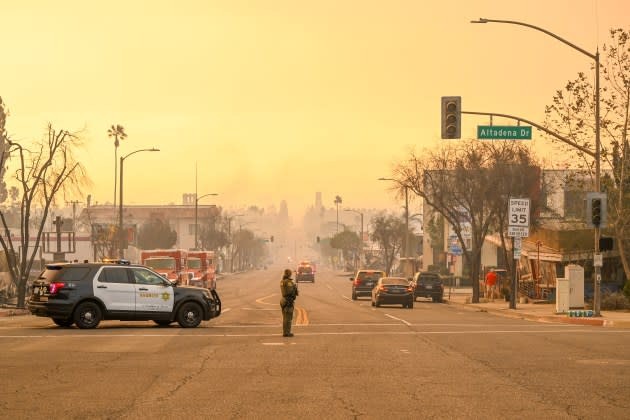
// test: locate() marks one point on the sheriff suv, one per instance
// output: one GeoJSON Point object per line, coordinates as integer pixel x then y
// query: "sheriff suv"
{"type": "Point", "coordinates": [86, 293]}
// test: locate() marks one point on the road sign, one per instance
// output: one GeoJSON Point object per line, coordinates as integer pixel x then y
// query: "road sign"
{"type": "Point", "coordinates": [504, 132]}
{"type": "Point", "coordinates": [518, 213]}
{"type": "Point", "coordinates": [455, 250]}
{"type": "Point", "coordinates": [518, 231]}
{"type": "Point", "coordinates": [598, 261]}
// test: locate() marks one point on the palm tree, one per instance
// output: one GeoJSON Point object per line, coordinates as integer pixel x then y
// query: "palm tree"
{"type": "Point", "coordinates": [337, 202]}
{"type": "Point", "coordinates": [118, 133]}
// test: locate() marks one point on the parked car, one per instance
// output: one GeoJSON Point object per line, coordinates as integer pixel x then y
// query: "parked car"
{"type": "Point", "coordinates": [393, 290]}
{"type": "Point", "coordinates": [428, 285]}
{"type": "Point", "coordinates": [86, 293]}
{"type": "Point", "coordinates": [363, 282]}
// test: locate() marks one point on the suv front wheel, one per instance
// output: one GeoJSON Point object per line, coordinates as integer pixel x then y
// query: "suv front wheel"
{"type": "Point", "coordinates": [189, 315]}
{"type": "Point", "coordinates": [87, 315]}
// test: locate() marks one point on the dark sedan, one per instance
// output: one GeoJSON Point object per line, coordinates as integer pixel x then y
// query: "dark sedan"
{"type": "Point", "coordinates": [393, 290]}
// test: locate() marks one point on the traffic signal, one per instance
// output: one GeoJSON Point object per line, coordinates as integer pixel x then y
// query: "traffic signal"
{"type": "Point", "coordinates": [596, 211]}
{"type": "Point", "coordinates": [451, 117]}
{"type": "Point", "coordinates": [605, 244]}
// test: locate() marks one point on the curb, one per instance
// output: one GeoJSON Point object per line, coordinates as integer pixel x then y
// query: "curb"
{"type": "Point", "coordinates": [6, 312]}
{"type": "Point", "coordinates": [597, 322]}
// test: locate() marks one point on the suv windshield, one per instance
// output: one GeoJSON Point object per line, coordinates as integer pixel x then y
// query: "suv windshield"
{"type": "Point", "coordinates": [369, 275]}
{"type": "Point", "coordinates": [429, 279]}
{"type": "Point", "coordinates": [61, 273]}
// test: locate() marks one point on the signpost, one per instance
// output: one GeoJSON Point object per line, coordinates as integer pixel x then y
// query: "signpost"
{"type": "Point", "coordinates": [518, 217]}
{"type": "Point", "coordinates": [504, 132]}
{"type": "Point", "coordinates": [518, 228]}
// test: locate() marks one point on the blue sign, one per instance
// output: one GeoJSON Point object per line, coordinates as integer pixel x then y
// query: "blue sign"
{"type": "Point", "coordinates": [455, 249]}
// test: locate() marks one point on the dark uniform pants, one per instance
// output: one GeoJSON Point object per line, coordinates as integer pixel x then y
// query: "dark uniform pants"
{"type": "Point", "coordinates": [287, 317]}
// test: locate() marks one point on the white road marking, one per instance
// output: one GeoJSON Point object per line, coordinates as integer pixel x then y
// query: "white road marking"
{"type": "Point", "coordinates": [312, 334]}
{"type": "Point", "coordinates": [260, 300]}
{"type": "Point", "coordinates": [225, 310]}
{"type": "Point", "coordinates": [259, 309]}
{"type": "Point", "coordinates": [398, 319]}
{"type": "Point", "coordinates": [273, 344]}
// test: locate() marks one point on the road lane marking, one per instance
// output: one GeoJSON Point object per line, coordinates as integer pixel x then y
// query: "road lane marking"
{"type": "Point", "coordinates": [260, 300]}
{"type": "Point", "coordinates": [312, 333]}
{"type": "Point", "coordinates": [398, 319]}
{"type": "Point", "coordinates": [302, 316]}
{"type": "Point", "coordinates": [225, 310]}
{"type": "Point", "coordinates": [258, 309]}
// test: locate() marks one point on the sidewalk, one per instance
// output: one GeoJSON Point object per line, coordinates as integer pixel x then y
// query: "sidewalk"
{"type": "Point", "coordinates": [539, 312]}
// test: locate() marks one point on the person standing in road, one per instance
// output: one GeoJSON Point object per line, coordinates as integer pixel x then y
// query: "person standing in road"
{"type": "Point", "coordinates": [289, 292]}
{"type": "Point", "coordinates": [491, 282]}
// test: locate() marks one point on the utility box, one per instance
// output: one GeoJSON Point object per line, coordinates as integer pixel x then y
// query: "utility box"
{"type": "Point", "coordinates": [562, 295]}
{"type": "Point", "coordinates": [575, 274]}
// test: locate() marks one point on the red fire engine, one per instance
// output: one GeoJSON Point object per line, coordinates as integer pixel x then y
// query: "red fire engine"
{"type": "Point", "coordinates": [171, 263]}
{"type": "Point", "coordinates": [201, 269]}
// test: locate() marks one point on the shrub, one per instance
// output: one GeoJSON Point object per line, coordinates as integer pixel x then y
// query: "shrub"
{"type": "Point", "coordinates": [614, 301]}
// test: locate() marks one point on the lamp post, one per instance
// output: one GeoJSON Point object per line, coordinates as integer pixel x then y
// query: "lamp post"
{"type": "Point", "coordinates": [121, 253]}
{"type": "Point", "coordinates": [596, 155]}
{"type": "Point", "coordinates": [196, 209]}
{"type": "Point", "coordinates": [406, 245]}
{"type": "Point", "coordinates": [361, 242]}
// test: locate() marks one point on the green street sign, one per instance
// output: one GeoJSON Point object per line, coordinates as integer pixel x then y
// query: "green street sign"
{"type": "Point", "coordinates": [504, 132]}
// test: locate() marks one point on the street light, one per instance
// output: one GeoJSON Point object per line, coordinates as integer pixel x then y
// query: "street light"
{"type": "Point", "coordinates": [121, 253]}
{"type": "Point", "coordinates": [596, 155]}
{"type": "Point", "coordinates": [360, 213]}
{"type": "Point", "coordinates": [196, 206]}
{"type": "Point", "coordinates": [406, 247]}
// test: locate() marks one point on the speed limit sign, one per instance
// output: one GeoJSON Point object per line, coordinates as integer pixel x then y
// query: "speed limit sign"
{"type": "Point", "coordinates": [518, 217]}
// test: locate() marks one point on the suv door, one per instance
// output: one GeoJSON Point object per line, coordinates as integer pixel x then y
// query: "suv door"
{"type": "Point", "coordinates": [113, 287]}
{"type": "Point", "coordinates": [153, 292]}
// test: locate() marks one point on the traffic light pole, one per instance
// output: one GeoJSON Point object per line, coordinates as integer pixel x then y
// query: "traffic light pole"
{"type": "Point", "coordinates": [596, 154]}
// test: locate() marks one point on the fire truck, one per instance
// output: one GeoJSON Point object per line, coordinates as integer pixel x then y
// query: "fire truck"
{"type": "Point", "coordinates": [171, 263]}
{"type": "Point", "coordinates": [201, 269]}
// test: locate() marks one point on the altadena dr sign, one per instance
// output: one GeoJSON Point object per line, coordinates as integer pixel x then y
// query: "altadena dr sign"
{"type": "Point", "coordinates": [504, 132]}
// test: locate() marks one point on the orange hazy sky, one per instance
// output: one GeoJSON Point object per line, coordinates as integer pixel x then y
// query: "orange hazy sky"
{"type": "Point", "coordinates": [277, 99]}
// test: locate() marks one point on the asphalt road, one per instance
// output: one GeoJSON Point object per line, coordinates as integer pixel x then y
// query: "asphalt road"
{"type": "Point", "coordinates": [347, 360]}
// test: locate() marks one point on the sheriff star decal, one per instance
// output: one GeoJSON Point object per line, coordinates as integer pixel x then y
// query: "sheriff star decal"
{"type": "Point", "coordinates": [165, 296]}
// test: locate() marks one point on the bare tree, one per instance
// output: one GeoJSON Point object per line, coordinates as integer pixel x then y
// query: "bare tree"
{"type": "Point", "coordinates": [389, 232]}
{"type": "Point", "coordinates": [3, 151]}
{"type": "Point", "coordinates": [468, 183]}
{"type": "Point", "coordinates": [118, 133]}
{"type": "Point", "coordinates": [42, 173]}
{"type": "Point", "coordinates": [572, 114]}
